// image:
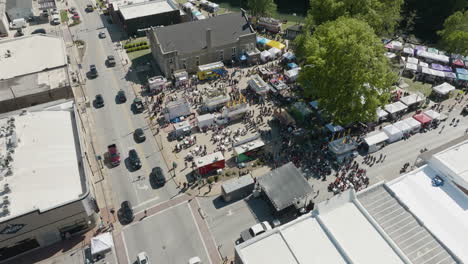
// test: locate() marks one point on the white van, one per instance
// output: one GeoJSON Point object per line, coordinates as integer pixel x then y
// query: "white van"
{"type": "Point", "coordinates": [18, 23]}
{"type": "Point", "coordinates": [55, 19]}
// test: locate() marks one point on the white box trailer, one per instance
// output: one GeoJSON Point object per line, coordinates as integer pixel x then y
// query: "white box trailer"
{"type": "Point", "coordinates": [18, 23]}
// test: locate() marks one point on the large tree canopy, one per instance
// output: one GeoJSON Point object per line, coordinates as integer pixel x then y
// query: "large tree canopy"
{"type": "Point", "coordinates": [346, 70]}
{"type": "Point", "coordinates": [382, 15]}
{"type": "Point", "coordinates": [261, 7]}
{"type": "Point", "coordinates": [454, 36]}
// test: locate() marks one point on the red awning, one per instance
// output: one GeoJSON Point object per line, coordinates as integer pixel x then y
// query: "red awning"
{"type": "Point", "coordinates": [422, 118]}
{"type": "Point", "coordinates": [458, 62]}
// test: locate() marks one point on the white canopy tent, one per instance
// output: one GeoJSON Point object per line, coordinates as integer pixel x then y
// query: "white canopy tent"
{"type": "Point", "coordinates": [412, 60]}
{"type": "Point", "coordinates": [265, 55]}
{"type": "Point", "coordinates": [403, 126]}
{"type": "Point", "coordinates": [381, 113]}
{"type": "Point", "coordinates": [293, 74]}
{"type": "Point", "coordinates": [332, 128]}
{"type": "Point", "coordinates": [102, 243]}
{"type": "Point", "coordinates": [433, 56]}
{"type": "Point", "coordinates": [274, 52]}
{"type": "Point", "coordinates": [393, 133]}
{"type": "Point", "coordinates": [443, 89]}
{"type": "Point", "coordinates": [432, 114]}
{"type": "Point", "coordinates": [375, 141]}
{"type": "Point", "coordinates": [412, 99]}
{"type": "Point", "coordinates": [408, 51]}
{"type": "Point", "coordinates": [395, 107]}
{"type": "Point", "coordinates": [411, 66]}
{"type": "Point", "coordinates": [205, 120]}
{"type": "Point", "coordinates": [414, 124]}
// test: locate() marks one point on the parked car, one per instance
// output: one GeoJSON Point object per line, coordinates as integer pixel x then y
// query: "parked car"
{"type": "Point", "coordinates": [55, 19]}
{"type": "Point", "coordinates": [139, 135]}
{"type": "Point", "coordinates": [39, 31]}
{"type": "Point", "coordinates": [134, 160]}
{"type": "Point", "coordinates": [125, 212]}
{"type": "Point", "coordinates": [114, 155]}
{"type": "Point", "coordinates": [194, 260]}
{"type": "Point", "coordinates": [142, 258]}
{"type": "Point", "coordinates": [93, 73]}
{"type": "Point", "coordinates": [45, 13]}
{"type": "Point", "coordinates": [102, 35]}
{"type": "Point", "coordinates": [55, 11]}
{"type": "Point", "coordinates": [121, 96]}
{"type": "Point", "coordinates": [255, 230]}
{"type": "Point", "coordinates": [72, 10]}
{"type": "Point", "coordinates": [157, 175]}
{"type": "Point", "coordinates": [76, 16]}
{"type": "Point", "coordinates": [99, 101]}
{"type": "Point", "coordinates": [110, 61]}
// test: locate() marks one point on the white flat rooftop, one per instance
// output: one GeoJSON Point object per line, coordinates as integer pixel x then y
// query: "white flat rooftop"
{"type": "Point", "coordinates": [454, 160]}
{"type": "Point", "coordinates": [145, 9]}
{"type": "Point", "coordinates": [209, 159]}
{"type": "Point", "coordinates": [249, 146]}
{"type": "Point", "coordinates": [31, 54]}
{"type": "Point", "coordinates": [443, 210]}
{"type": "Point", "coordinates": [45, 166]}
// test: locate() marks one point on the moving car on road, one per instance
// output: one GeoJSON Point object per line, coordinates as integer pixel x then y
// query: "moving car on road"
{"type": "Point", "coordinates": [89, 8]}
{"type": "Point", "coordinates": [137, 105]}
{"type": "Point", "coordinates": [93, 73]}
{"type": "Point", "coordinates": [110, 61]}
{"type": "Point", "coordinates": [255, 230]}
{"type": "Point", "coordinates": [157, 175]}
{"type": "Point", "coordinates": [139, 135]}
{"type": "Point", "coordinates": [194, 260]}
{"type": "Point", "coordinates": [39, 31]}
{"type": "Point", "coordinates": [134, 160]}
{"type": "Point", "coordinates": [125, 212]}
{"type": "Point", "coordinates": [142, 258]}
{"type": "Point", "coordinates": [102, 35]}
{"type": "Point", "coordinates": [72, 10]}
{"type": "Point", "coordinates": [99, 101]}
{"type": "Point", "coordinates": [114, 155]}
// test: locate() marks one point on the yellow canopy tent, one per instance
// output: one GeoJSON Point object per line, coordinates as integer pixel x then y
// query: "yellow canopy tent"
{"type": "Point", "coordinates": [275, 44]}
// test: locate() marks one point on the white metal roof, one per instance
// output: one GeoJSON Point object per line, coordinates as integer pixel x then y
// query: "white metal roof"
{"type": "Point", "coordinates": [272, 250]}
{"type": "Point", "coordinates": [31, 54]}
{"type": "Point", "coordinates": [375, 138]}
{"type": "Point", "coordinates": [453, 162]}
{"type": "Point", "coordinates": [209, 159]}
{"type": "Point", "coordinates": [443, 210]}
{"type": "Point", "coordinates": [249, 146]}
{"type": "Point", "coordinates": [145, 9]}
{"type": "Point", "coordinates": [45, 165]}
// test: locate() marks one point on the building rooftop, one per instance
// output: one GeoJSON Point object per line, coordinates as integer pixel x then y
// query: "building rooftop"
{"type": "Point", "coordinates": [453, 163]}
{"type": "Point", "coordinates": [31, 54]}
{"type": "Point", "coordinates": [191, 36]}
{"type": "Point", "coordinates": [209, 159]}
{"type": "Point", "coordinates": [146, 9]}
{"type": "Point", "coordinates": [43, 171]}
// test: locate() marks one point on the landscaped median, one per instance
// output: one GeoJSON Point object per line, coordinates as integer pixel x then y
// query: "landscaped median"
{"type": "Point", "coordinates": [131, 47]}
{"type": "Point", "coordinates": [64, 16]}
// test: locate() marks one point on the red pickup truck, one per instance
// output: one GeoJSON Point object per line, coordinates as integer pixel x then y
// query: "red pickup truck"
{"type": "Point", "coordinates": [114, 155]}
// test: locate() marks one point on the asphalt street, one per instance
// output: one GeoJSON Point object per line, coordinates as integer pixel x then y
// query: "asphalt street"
{"type": "Point", "coordinates": [170, 236]}
{"type": "Point", "coordinates": [115, 123]}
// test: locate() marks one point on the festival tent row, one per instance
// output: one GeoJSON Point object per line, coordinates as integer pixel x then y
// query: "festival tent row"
{"type": "Point", "coordinates": [443, 89]}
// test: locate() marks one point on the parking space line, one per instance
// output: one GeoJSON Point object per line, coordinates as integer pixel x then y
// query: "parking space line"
{"type": "Point", "coordinates": [200, 234]}
{"type": "Point", "coordinates": [125, 246]}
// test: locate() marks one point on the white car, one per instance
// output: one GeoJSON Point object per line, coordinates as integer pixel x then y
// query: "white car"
{"type": "Point", "coordinates": [195, 260]}
{"type": "Point", "coordinates": [142, 258]}
{"type": "Point", "coordinates": [255, 230]}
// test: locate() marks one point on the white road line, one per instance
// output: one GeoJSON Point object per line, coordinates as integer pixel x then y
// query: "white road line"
{"type": "Point", "coordinates": [162, 211]}
{"type": "Point", "coordinates": [125, 246]}
{"type": "Point", "coordinates": [200, 234]}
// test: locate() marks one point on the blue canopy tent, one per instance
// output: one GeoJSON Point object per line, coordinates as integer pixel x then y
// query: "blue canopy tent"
{"type": "Point", "coordinates": [332, 128]}
{"type": "Point", "coordinates": [462, 71]}
{"type": "Point", "coordinates": [289, 56]}
{"type": "Point", "coordinates": [243, 57]}
{"type": "Point", "coordinates": [262, 41]}
{"type": "Point", "coordinates": [292, 65]}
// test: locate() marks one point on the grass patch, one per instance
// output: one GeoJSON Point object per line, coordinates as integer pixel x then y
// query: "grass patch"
{"type": "Point", "coordinates": [101, 4]}
{"type": "Point", "coordinates": [139, 53]}
{"type": "Point", "coordinates": [423, 88]}
{"type": "Point", "coordinates": [64, 16]}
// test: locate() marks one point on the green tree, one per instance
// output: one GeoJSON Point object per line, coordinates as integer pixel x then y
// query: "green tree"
{"type": "Point", "coordinates": [262, 7]}
{"type": "Point", "coordinates": [346, 70]}
{"type": "Point", "coordinates": [382, 15]}
{"type": "Point", "coordinates": [454, 35]}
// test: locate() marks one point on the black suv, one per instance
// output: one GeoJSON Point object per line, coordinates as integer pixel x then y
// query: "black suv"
{"type": "Point", "coordinates": [99, 100]}
{"type": "Point", "coordinates": [126, 213]}
{"type": "Point", "coordinates": [110, 61]}
{"type": "Point", "coordinates": [139, 135]}
{"type": "Point", "coordinates": [121, 96]}
{"type": "Point", "coordinates": [135, 161]}
{"type": "Point", "coordinates": [157, 175]}
{"type": "Point", "coordinates": [93, 73]}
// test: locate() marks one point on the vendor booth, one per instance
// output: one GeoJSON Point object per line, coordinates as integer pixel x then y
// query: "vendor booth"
{"type": "Point", "coordinates": [288, 57]}
{"type": "Point", "coordinates": [205, 121]}
{"type": "Point", "coordinates": [413, 100]}
{"type": "Point", "coordinates": [182, 128]}
{"type": "Point", "coordinates": [381, 114]}
{"type": "Point", "coordinates": [334, 129]}
{"type": "Point", "coordinates": [278, 85]}
{"type": "Point", "coordinates": [414, 125]}
{"type": "Point", "coordinates": [209, 163]}
{"type": "Point", "coordinates": [435, 116]}
{"type": "Point", "coordinates": [433, 56]}
{"type": "Point", "coordinates": [156, 84]}
{"type": "Point", "coordinates": [408, 51]}
{"type": "Point", "coordinates": [443, 89]}
{"type": "Point", "coordinates": [275, 44]}
{"type": "Point", "coordinates": [342, 148]}
{"type": "Point", "coordinates": [262, 41]}
{"type": "Point", "coordinates": [258, 85]}
{"type": "Point", "coordinates": [292, 75]}
{"type": "Point", "coordinates": [176, 109]}
{"type": "Point", "coordinates": [101, 244]}
{"type": "Point", "coordinates": [248, 151]}
{"type": "Point", "coordinates": [423, 119]}
{"type": "Point", "coordinates": [265, 56]}
{"type": "Point", "coordinates": [211, 71]}
{"type": "Point", "coordinates": [292, 65]}
{"type": "Point", "coordinates": [396, 109]}
{"type": "Point", "coordinates": [394, 45]}
{"type": "Point", "coordinates": [458, 63]}
{"type": "Point", "coordinates": [274, 52]}
{"type": "Point", "coordinates": [215, 103]}
{"type": "Point", "coordinates": [441, 67]}
{"type": "Point", "coordinates": [232, 113]}
{"type": "Point", "coordinates": [403, 126]}
{"type": "Point", "coordinates": [393, 133]}
{"type": "Point", "coordinates": [181, 79]}
{"type": "Point", "coordinates": [374, 142]}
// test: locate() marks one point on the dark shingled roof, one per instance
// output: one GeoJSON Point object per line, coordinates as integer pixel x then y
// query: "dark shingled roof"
{"type": "Point", "coordinates": [191, 36]}
{"type": "Point", "coordinates": [284, 185]}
